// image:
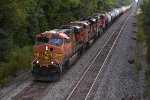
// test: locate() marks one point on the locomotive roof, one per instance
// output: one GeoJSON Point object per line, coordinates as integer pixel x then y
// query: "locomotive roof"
{"type": "Point", "coordinates": [90, 19]}
{"type": "Point", "coordinates": [75, 28]}
{"type": "Point", "coordinates": [70, 27]}
{"type": "Point", "coordinates": [57, 31]}
{"type": "Point", "coordinates": [97, 14]}
{"type": "Point", "coordinates": [82, 22]}
{"type": "Point", "coordinates": [96, 17]}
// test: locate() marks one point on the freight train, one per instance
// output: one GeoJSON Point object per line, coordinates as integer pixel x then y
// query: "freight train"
{"type": "Point", "coordinates": [55, 50]}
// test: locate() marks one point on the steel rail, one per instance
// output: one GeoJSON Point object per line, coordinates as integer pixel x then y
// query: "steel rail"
{"type": "Point", "coordinates": [107, 57]}
{"type": "Point", "coordinates": [36, 88]}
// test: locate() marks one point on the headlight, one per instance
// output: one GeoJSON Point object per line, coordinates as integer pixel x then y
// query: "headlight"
{"type": "Point", "coordinates": [37, 61]}
{"type": "Point", "coordinates": [46, 47]}
{"type": "Point", "coordinates": [52, 62]}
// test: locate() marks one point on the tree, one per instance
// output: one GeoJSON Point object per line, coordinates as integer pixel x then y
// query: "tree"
{"type": "Point", "coordinates": [146, 14]}
{"type": "Point", "coordinates": [23, 19]}
{"type": "Point", "coordinates": [5, 46]}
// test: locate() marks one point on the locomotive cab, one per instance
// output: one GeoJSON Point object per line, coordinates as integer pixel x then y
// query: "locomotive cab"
{"type": "Point", "coordinates": [50, 51]}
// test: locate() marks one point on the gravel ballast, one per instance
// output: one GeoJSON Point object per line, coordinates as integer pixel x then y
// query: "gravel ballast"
{"type": "Point", "coordinates": [120, 78]}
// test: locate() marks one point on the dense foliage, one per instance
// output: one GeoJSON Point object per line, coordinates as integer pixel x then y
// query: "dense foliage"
{"type": "Point", "coordinates": [21, 20]}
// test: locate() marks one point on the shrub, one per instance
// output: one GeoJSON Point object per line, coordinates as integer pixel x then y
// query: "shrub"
{"type": "Point", "coordinates": [20, 59]}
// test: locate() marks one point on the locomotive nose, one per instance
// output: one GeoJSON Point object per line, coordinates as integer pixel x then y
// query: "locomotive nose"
{"type": "Point", "coordinates": [51, 73]}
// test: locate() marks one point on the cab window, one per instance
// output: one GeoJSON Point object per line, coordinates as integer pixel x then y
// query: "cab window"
{"type": "Point", "coordinates": [41, 40]}
{"type": "Point", "coordinates": [56, 41]}
{"type": "Point", "coordinates": [66, 41]}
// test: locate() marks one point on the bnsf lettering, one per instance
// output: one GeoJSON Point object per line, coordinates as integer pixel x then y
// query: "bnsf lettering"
{"type": "Point", "coordinates": [47, 54]}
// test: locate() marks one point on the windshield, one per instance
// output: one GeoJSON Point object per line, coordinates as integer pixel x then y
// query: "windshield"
{"type": "Point", "coordinates": [41, 40]}
{"type": "Point", "coordinates": [56, 41]}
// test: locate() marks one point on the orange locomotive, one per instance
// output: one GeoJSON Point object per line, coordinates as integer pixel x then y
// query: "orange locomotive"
{"type": "Point", "coordinates": [57, 49]}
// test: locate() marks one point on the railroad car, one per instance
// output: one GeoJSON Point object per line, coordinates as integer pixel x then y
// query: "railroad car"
{"type": "Point", "coordinates": [102, 21]}
{"type": "Point", "coordinates": [108, 18]}
{"type": "Point", "coordinates": [93, 26]}
{"type": "Point", "coordinates": [55, 50]}
{"type": "Point", "coordinates": [89, 31]}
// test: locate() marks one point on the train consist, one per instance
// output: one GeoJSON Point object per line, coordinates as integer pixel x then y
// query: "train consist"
{"type": "Point", "coordinates": [57, 49]}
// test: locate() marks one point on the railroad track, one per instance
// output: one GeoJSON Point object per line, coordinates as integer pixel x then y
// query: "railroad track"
{"type": "Point", "coordinates": [17, 80]}
{"type": "Point", "coordinates": [82, 90]}
{"type": "Point", "coordinates": [131, 98]}
{"type": "Point", "coordinates": [32, 92]}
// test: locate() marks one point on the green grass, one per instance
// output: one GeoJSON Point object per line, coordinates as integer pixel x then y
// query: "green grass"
{"type": "Point", "coordinates": [5, 81]}
{"type": "Point", "coordinates": [141, 36]}
{"type": "Point", "coordinates": [21, 58]}
{"type": "Point", "coordinates": [141, 41]}
{"type": "Point", "coordinates": [138, 66]}
{"type": "Point", "coordinates": [147, 92]}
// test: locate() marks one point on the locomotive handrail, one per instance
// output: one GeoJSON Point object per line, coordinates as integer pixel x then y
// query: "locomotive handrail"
{"type": "Point", "coordinates": [35, 59]}
{"type": "Point", "coordinates": [55, 60]}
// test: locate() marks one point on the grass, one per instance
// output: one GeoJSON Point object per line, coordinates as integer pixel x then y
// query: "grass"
{"type": "Point", "coordinates": [147, 92]}
{"type": "Point", "coordinates": [138, 65]}
{"type": "Point", "coordinates": [5, 81]}
{"type": "Point", "coordinates": [141, 36]}
{"type": "Point", "coordinates": [138, 60]}
{"type": "Point", "coordinates": [20, 59]}
{"type": "Point", "coordinates": [137, 78]}
{"type": "Point", "coordinates": [140, 42]}
{"type": "Point", "coordinates": [142, 39]}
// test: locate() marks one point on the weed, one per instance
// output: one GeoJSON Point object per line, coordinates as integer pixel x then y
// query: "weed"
{"type": "Point", "coordinates": [138, 60]}
{"type": "Point", "coordinates": [20, 59]}
{"type": "Point", "coordinates": [136, 77]}
{"type": "Point", "coordinates": [5, 81]}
